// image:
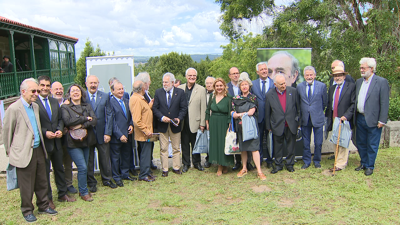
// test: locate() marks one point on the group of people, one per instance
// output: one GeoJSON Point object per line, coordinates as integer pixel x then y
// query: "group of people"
{"type": "Point", "coordinates": [58, 130]}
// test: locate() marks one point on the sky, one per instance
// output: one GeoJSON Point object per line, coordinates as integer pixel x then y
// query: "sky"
{"type": "Point", "coordinates": [131, 27]}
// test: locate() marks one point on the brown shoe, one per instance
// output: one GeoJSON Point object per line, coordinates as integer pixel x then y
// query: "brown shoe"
{"type": "Point", "coordinates": [165, 174]}
{"type": "Point", "coordinates": [87, 198]}
{"type": "Point", "coordinates": [51, 204]}
{"type": "Point", "coordinates": [336, 169]}
{"type": "Point", "coordinates": [177, 172]}
{"type": "Point", "coordinates": [66, 198]}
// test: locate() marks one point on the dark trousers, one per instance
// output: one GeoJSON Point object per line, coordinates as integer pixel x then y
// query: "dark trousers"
{"type": "Point", "coordinates": [56, 158]}
{"type": "Point", "coordinates": [261, 131]}
{"type": "Point", "coordinates": [318, 139]}
{"type": "Point", "coordinates": [188, 139]}
{"type": "Point", "coordinates": [120, 154]}
{"type": "Point", "coordinates": [278, 147]}
{"type": "Point", "coordinates": [145, 156]}
{"type": "Point", "coordinates": [139, 152]}
{"type": "Point", "coordinates": [67, 161]}
{"type": "Point", "coordinates": [104, 163]}
{"type": "Point", "coordinates": [33, 179]}
{"type": "Point", "coordinates": [368, 139]}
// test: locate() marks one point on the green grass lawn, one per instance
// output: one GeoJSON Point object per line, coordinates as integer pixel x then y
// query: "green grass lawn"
{"type": "Point", "coordinates": [311, 196]}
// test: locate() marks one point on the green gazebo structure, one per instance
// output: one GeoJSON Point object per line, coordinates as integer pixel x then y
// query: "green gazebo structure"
{"type": "Point", "coordinates": [34, 52]}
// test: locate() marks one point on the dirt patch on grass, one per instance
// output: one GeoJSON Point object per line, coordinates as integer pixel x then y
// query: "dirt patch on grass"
{"type": "Point", "coordinates": [369, 183]}
{"type": "Point", "coordinates": [155, 204]}
{"type": "Point", "coordinates": [289, 181]}
{"type": "Point", "coordinates": [285, 202]}
{"type": "Point", "coordinates": [170, 210]}
{"type": "Point", "coordinates": [326, 173]}
{"type": "Point", "coordinates": [261, 188]}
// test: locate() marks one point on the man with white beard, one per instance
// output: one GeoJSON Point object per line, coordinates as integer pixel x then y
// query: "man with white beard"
{"type": "Point", "coordinates": [313, 100]}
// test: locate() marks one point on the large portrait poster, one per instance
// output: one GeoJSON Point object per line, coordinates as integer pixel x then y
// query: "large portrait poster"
{"type": "Point", "coordinates": [288, 61]}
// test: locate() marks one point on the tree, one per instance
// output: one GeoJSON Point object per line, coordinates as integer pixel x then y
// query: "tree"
{"type": "Point", "coordinates": [81, 64]}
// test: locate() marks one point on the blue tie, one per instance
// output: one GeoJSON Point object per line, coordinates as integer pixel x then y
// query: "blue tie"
{"type": "Point", "coordinates": [263, 87]}
{"type": "Point", "coordinates": [123, 106]}
{"type": "Point", "coordinates": [309, 92]}
{"type": "Point", "coordinates": [169, 99]}
{"type": "Point", "coordinates": [93, 101]}
{"type": "Point", "coordinates": [46, 104]}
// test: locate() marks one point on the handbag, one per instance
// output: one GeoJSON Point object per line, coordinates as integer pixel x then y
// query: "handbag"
{"type": "Point", "coordinates": [249, 127]}
{"type": "Point", "coordinates": [12, 181]}
{"type": "Point", "coordinates": [201, 144]}
{"type": "Point", "coordinates": [231, 145]}
{"type": "Point", "coordinates": [78, 133]}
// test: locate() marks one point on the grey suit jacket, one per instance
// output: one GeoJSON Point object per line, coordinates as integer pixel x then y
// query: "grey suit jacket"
{"type": "Point", "coordinates": [376, 107]}
{"type": "Point", "coordinates": [275, 118]}
{"type": "Point", "coordinates": [56, 123]}
{"type": "Point", "coordinates": [18, 134]}
{"type": "Point", "coordinates": [196, 107]}
{"type": "Point", "coordinates": [316, 106]}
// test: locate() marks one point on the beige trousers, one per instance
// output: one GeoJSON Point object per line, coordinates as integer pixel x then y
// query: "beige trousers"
{"type": "Point", "coordinates": [176, 154]}
{"type": "Point", "coordinates": [342, 157]}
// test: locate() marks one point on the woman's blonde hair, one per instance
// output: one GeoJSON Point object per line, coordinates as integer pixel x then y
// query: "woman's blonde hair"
{"type": "Point", "coordinates": [225, 92]}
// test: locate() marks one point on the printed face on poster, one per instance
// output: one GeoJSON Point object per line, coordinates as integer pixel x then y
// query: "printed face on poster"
{"type": "Point", "coordinates": [289, 62]}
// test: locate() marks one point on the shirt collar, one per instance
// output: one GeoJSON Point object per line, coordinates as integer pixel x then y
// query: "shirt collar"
{"type": "Point", "coordinates": [42, 98]}
{"type": "Point", "coordinates": [90, 94]}
{"type": "Point", "coordinates": [369, 79]}
{"type": "Point", "coordinates": [25, 103]}
{"type": "Point", "coordinates": [279, 91]}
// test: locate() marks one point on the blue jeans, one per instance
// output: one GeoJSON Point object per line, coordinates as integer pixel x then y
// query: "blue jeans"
{"type": "Point", "coordinates": [80, 156]}
{"type": "Point", "coordinates": [367, 139]}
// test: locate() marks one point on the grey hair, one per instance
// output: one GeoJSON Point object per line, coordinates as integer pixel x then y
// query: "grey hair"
{"type": "Point", "coordinates": [278, 75]}
{"type": "Point", "coordinates": [369, 61]}
{"type": "Point", "coordinates": [170, 75]}
{"type": "Point", "coordinates": [114, 83]}
{"type": "Point", "coordinates": [137, 89]}
{"type": "Point", "coordinates": [259, 64]}
{"type": "Point", "coordinates": [191, 68]}
{"type": "Point", "coordinates": [144, 77]}
{"type": "Point", "coordinates": [112, 80]}
{"type": "Point", "coordinates": [341, 63]}
{"type": "Point", "coordinates": [24, 85]}
{"type": "Point", "coordinates": [96, 77]}
{"type": "Point", "coordinates": [209, 77]}
{"type": "Point", "coordinates": [244, 76]}
{"type": "Point", "coordinates": [309, 68]}
{"type": "Point", "coordinates": [295, 62]}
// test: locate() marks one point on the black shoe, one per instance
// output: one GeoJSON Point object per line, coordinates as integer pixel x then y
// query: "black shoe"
{"type": "Point", "coordinates": [129, 178]}
{"type": "Point", "coordinates": [207, 164]}
{"type": "Point", "coordinates": [49, 211]}
{"type": "Point", "coordinates": [360, 168]}
{"type": "Point", "coordinates": [250, 167]}
{"type": "Point", "coordinates": [305, 166]}
{"type": "Point", "coordinates": [147, 179]}
{"type": "Point", "coordinates": [164, 174]}
{"type": "Point", "coordinates": [368, 172]}
{"type": "Point", "coordinates": [30, 218]}
{"type": "Point", "coordinates": [119, 183]}
{"type": "Point", "coordinates": [133, 172]}
{"type": "Point", "coordinates": [93, 189]}
{"type": "Point", "coordinates": [237, 166]}
{"type": "Point", "coordinates": [71, 189]}
{"type": "Point", "coordinates": [198, 166]}
{"type": "Point", "coordinates": [185, 168]}
{"type": "Point", "coordinates": [276, 169]}
{"type": "Point", "coordinates": [109, 184]}
{"type": "Point", "coordinates": [152, 166]}
{"type": "Point", "coordinates": [290, 168]}
{"type": "Point", "coordinates": [269, 165]}
{"type": "Point", "coordinates": [317, 165]}
{"type": "Point", "coordinates": [332, 157]}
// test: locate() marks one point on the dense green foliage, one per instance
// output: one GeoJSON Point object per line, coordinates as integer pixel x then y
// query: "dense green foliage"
{"type": "Point", "coordinates": [81, 64]}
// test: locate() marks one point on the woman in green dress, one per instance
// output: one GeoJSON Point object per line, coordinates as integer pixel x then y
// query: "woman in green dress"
{"type": "Point", "coordinates": [217, 121]}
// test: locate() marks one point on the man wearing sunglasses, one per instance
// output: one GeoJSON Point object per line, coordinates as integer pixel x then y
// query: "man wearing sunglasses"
{"type": "Point", "coordinates": [26, 150]}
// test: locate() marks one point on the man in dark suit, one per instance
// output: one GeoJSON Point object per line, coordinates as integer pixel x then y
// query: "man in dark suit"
{"type": "Point", "coordinates": [121, 140]}
{"type": "Point", "coordinates": [341, 99]}
{"type": "Point", "coordinates": [282, 114]}
{"type": "Point", "coordinates": [260, 88]}
{"type": "Point", "coordinates": [111, 81]}
{"type": "Point", "coordinates": [312, 100]}
{"type": "Point", "coordinates": [209, 82]}
{"type": "Point", "coordinates": [348, 78]}
{"type": "Point", "coordinates": [234, 90]}
{"type": "Point", "coordinates": [52, 127]}
{"type": "Point", "coordinates": [103, 130]}
{"type": "Point", "coordinates": [23, 141]}
{"type": "Point", "coordinates": [170, 108]}
{"type": "Point", "coordinates": [372, 108]}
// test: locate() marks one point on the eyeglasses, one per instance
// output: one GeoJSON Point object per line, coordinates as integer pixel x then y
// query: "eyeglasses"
{"type": "Point", "coordinates": [34, 91]}
{"type": "Point", "coordinates": [75, 90]}
{"type": "Point", "coordinates": [364, 68]}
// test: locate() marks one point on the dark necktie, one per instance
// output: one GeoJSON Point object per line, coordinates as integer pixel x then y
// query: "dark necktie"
{"type": "Point", "coordinates": [122, 106]}
{"type": "Point", "coordinates": [263, 87]}
{"type": "Point", "coordinates": [92, 101]}
{"type": "Point", "coordinates": [309, 92]}
{"type": "Point", "coordinates": [335, 105]}
{"type": "Point", "coordinates": [46, 104]}
{"type": "Point", "coordinates": [169, 99]}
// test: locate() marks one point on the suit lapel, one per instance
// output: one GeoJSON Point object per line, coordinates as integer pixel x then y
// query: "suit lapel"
{"type": "Point", "coordinates": [257, 88]}
{"type": "Point", "coordinates": [276, 99]}
{"type": "Point", "coordinates": [173, 96]}
{"type": "Point", "coordinates": [288, 98]}
{"type": "Point", "coordinates": [194, 91]}
{"type": "Point", "coordinates": [371, 87]}
{"type": "Point", "coordinates": [343, 92]}
{"type": "Point", "coordinates": [25, 116]}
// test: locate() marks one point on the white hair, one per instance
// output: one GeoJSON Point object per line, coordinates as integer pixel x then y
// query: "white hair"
{"type": "Point", "coordinates": [24, 85]}
{"type": "Point", "coordinates": [191, 68]}
{"type": "Point", "coordinates": [170, 75]}
{"type": "Point", "coordinates": [259, 64]}
{"type": "Point", "coordinates": [309, 68]}
{"type": "Point", "coordinates": [369, 61]}
{"type": "Point", "coordinates": [278, 75]}
{"type": "Point", "coordinates": [144, 77]}
{"type": "Point", "coordinates": [209, 77]}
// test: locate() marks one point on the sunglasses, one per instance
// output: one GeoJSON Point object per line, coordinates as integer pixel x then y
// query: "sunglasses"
{"type": "Point", "coordinates": [34, 91]}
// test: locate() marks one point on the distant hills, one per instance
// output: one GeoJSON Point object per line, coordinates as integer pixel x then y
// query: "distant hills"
{"type": "Point", "coordinates": [195, 57]}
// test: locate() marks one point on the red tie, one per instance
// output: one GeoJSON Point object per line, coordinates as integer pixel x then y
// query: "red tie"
{"type": "Point", "coordinates": [337, 94]}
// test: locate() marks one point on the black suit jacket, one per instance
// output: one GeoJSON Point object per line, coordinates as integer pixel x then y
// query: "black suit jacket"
{"type": "Point", "coordinates": [275, 117]}
{"type": "Point", "coordinates": [56, 123]}
{"type": "Point", "coordinates": [346, 103]}
{"type": "Point", "coordinates": [177, 109]}
{"type": "Point", "coordinates": [121, 122]}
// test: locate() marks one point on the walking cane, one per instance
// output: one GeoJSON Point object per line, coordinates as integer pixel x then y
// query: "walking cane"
{"type": "Point", "coordinates": [337, 148]}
